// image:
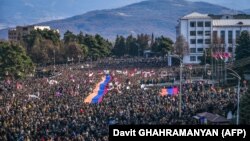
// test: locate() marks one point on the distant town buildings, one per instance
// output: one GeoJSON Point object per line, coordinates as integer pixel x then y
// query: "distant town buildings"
{"type": "Point", "coordinates": [16, 34]}
{"type": "Point", "coordinates": [202, 30]}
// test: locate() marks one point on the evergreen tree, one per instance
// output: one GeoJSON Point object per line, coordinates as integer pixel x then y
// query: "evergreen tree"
{"type": "Point", "coordinates": [104, 46]}
{"type": "Point", "coordinates": [242, 51]}
{"type": "Point", "coordinates": [152, 40]}
{"type": "Point", "coordinates": [69, 37]}
{"type": "Point", "coordinates": [245, 108]}
{"type": "Point", "coordinates": [120, 46]}
{"type": "Point", "coordinates": [243, 46]}
{"type": "Point", "coordinates": [131, 46]}
{"type": "Point", "coordinates": [142, 41]}
{"type": "Point", "coordinates": [80, 38]}
{"type": "Point", "coordinates": [162, 45]}
{"type": "Point", "coordinates": [14, 61]}
{"type": "Point", "coordinates": [207, 57]}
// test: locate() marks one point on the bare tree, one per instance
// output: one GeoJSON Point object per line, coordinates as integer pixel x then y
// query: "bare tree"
{"type": "Point", "coordinates": [181, 46]}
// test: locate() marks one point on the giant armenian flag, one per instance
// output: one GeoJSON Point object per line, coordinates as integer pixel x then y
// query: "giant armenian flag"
{"type": "Point", "coordinates": [100, 90]}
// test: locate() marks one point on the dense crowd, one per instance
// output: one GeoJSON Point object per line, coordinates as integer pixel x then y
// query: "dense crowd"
{"type": "Point", "coordinates": [31, 109]}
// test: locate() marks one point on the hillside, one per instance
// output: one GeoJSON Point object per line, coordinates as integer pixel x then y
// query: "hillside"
{"type": "Point", "coordinates": [247, 11]}
{"type": "Point", "coordinates": [152, 16]}
{"type": "Point", "coordinates": [232, 4]}
{"type": "Point", "coordinates": [23, 12]}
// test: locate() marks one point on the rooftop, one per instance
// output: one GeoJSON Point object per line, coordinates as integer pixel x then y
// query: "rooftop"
{"type": "Point", "coordinates": [196, 15]}
{"type": "Point", "coordinates": [214, 118]}
{"type": "Point", "coordinates": [231, 22]}
{"type": "Point", "coordinates": [233, 16]}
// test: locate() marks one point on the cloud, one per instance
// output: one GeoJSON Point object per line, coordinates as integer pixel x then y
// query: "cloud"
{"type": "Point", "coordinates": [49, 18]}
{"type": "Point", "coordinates": [2, 26]}
{"type": "Point", "coordinates": [122, 14]}
{"type": "Point", "coordinates": [180, 5]}
{"type": "Point", "coordinates": [133, 32]}
{"type": "Point", "coordinates": [18, 15]}
{"type": "Point", "coordinates": [28, 3]}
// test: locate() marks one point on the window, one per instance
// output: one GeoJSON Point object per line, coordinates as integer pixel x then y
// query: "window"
{"type": "Point", "coordinates": [199, 58]}
{"type": "Point", "coordinates": [192, 24]}
{"type": "Point", "coordinates": [192, 50]}
{"type": "Point", "coordinates": [192, 33]}
{"type": "Point", "coordinates": [207, 33]}
{"type": "Point", "coordinates": [207, 41]}
{"type": "Point", "coordinates": [207, 24]}
{"type": "Point", "coordinates": [200, 41]}
{"type": "Point", "coordinates": [222, 36]}
{"type": "Point", "coordinates": [192, 41]}
{"type": "Point", "coordinates": [237, 34]}
{"type": "Point", "coordinates": [200, 33]}
{"type": "Point", "coordinates": [200, 24]}
{"type": "Point", "coordinates": [200, 49]}
{"type": "Point", "coordinates": [230, 37]}
{"type": "Point", "coordinates": [230, 49]}
{"type": "Point", "coordinates": [192, 58]}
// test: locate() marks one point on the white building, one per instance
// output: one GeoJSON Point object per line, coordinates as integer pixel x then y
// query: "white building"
{"type": "Point", "coordinates": [200, 30]}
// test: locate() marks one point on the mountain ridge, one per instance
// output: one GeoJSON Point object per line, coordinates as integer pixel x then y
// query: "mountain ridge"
{"type": "Point", "coordinates": [247, 11]}
{"type": "Point", "coordinates": [152, 16]}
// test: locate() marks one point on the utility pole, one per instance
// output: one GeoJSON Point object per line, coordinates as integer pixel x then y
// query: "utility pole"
{"type": "Point", "coordinates": [138, 52]}
{"type": "Point", "coordinates": [238, 102]}
{"type": "Point", "coordinates": [54, 60]}
{"type": "Point", "coordinates": [238, 95]}
{"type": "Point", "coordinates": [79, 57]}
{"type": "Point", "coordinates": [180, 94]}
{"type": "Point", "coordinates": [205, 61]}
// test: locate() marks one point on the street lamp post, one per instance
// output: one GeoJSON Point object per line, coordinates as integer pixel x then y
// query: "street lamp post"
{"type": "Point", "coordinates": [238, 102]}
{"type": "Point", "coordinates": [190, 69]}
{"type": "Point", "coordinates": [238, 95]}
{"type": "Point", "coordinates": [205, 67]}
{"type": "Point", "coordinates": [209, 74]}
{"type": "Point", "coordinates": [54, 52]}
{"type": "Point", "coordinates": [67, 61]}
{"type": "Point", "coordinates": [79, 57]}
{"type": "Point", "coordinates": [180, 93]}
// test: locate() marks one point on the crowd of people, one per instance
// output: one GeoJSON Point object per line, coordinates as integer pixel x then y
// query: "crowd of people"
{"type": "Point", "coordinates": [53, 108]}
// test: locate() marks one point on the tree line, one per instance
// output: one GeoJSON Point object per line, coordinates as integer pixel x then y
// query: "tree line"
{"type": "Point", "coordinates": [135, 46]}
{"type": "Point", "coordinates": [45, 47]}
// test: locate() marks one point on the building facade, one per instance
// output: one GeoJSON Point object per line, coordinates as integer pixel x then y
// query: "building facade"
{"type": "Point", "coordinates": [202, 30]}
{"type": "Point", "coordinates": [16, 34]}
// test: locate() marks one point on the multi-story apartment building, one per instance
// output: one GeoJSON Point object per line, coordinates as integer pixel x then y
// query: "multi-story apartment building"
{"type": "Point", "coordinates": [16, 34]}
{"type": "Point", "coordinates": [201, 30]}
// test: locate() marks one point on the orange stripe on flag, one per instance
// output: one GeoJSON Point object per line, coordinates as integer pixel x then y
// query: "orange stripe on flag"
{"type": "Point", "coordinates": [163, 92]}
